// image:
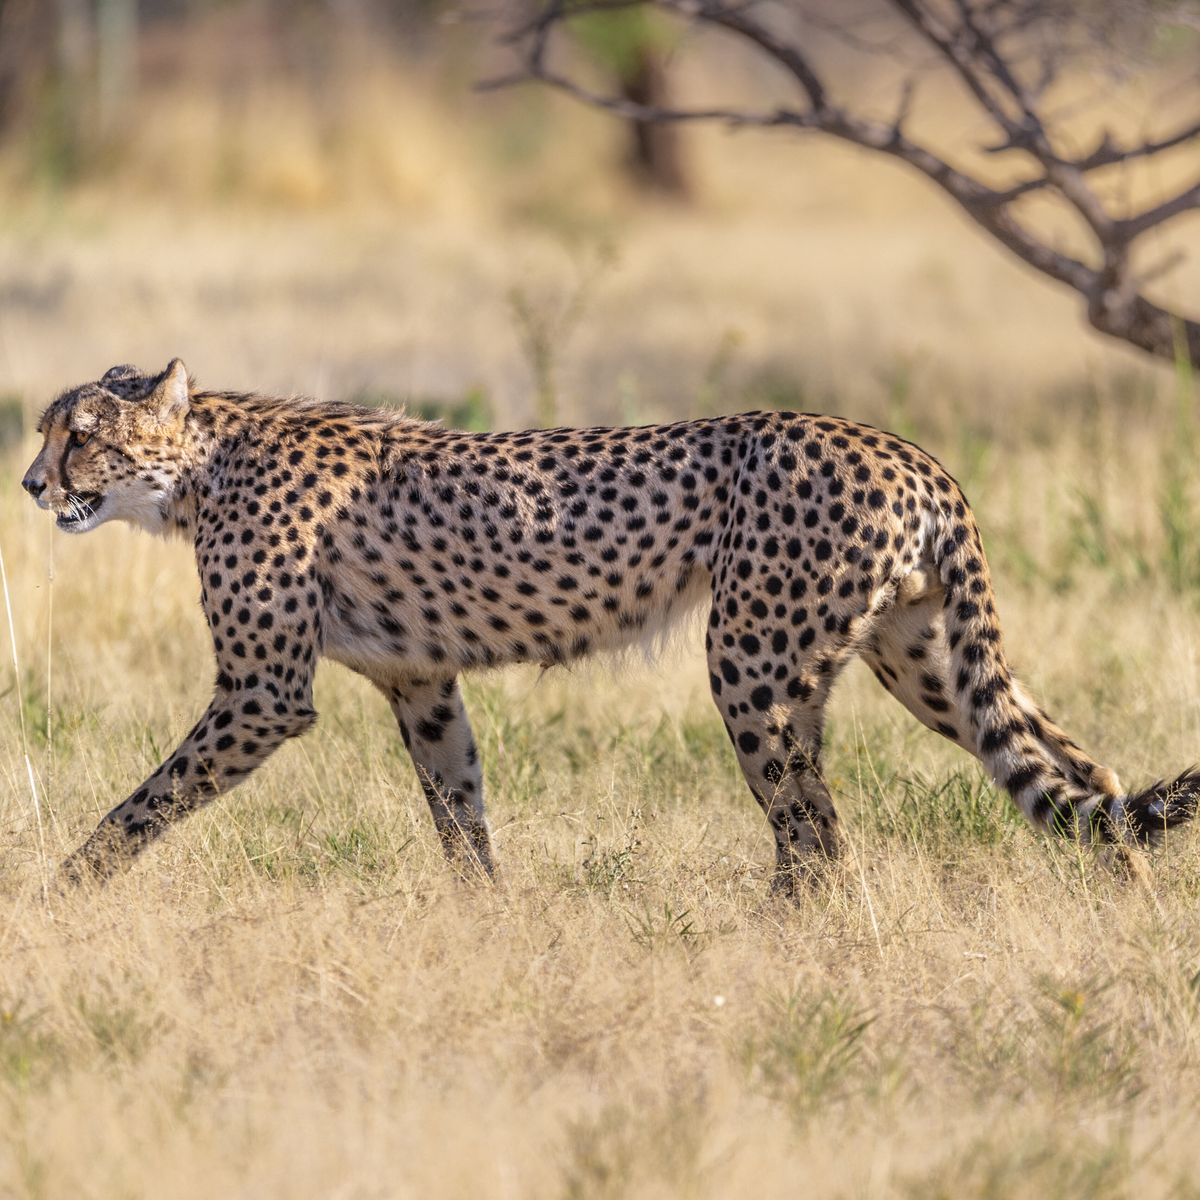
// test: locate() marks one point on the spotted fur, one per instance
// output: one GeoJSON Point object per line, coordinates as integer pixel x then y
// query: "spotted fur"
{"type": "Point", "coordinates": [412, 553]}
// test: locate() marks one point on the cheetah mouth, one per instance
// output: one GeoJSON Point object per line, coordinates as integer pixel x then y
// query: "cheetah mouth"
{"type": "Point", "coordinates": [80, 512]}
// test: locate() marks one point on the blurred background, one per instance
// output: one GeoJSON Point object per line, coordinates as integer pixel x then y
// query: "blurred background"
{"type": "Point", "coordinates": [316, 197]}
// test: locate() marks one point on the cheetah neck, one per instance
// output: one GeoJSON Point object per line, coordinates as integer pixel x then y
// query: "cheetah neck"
{"type": "Point", "coordinates": [214, 423]}
{"type": "Point", "coordinates": [221, 426]}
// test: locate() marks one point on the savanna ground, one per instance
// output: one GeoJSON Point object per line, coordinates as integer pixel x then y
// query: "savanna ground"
{"type": "Point", "coordinates": [292, 996]}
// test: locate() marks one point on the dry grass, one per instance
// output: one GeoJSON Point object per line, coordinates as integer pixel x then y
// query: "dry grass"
{"type": "Point", "coordinates": [291, 996]}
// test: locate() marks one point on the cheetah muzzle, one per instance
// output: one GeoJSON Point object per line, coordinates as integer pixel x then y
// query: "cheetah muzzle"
{"type": "Point", "coordinates": [82, 512]}
{"type": "Point", "coordinates": [411, 553]}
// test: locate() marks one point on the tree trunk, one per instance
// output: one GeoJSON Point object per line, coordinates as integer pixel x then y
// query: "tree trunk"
{"type": "Point", "coordinates": [26, 48]}
{"type": "Point", "coordinates": [656, 154]}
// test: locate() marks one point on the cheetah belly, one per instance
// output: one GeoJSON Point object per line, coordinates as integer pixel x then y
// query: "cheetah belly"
{"type": "Point", "coordinates": [404, 636]}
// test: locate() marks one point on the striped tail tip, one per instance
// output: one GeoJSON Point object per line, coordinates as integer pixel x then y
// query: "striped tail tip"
{"type": "Point", "coordinates": [1145, 816]}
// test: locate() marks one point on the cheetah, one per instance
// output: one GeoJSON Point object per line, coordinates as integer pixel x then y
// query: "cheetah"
{"type": "Point", "coordinates": [412, 553]}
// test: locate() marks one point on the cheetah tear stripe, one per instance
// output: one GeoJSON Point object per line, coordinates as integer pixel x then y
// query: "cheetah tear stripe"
{"type": "Point", "coordinates": [411, 553]}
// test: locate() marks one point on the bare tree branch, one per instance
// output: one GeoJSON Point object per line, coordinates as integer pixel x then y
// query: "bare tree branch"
{"type": "Point", "coordinates": [973, 40]}
{"type": "Point", "coordinates": [968, 62]}
{"type": "Point", "coordinates": [737, 18]}
{"type": "Point", "coordinates": [1107, 153]}
{"type": "Point", "coordinates": [1181, 202]}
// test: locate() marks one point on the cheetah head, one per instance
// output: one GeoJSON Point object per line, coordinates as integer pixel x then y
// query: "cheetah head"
{"type": "Point", "coordinates": [112, 449]}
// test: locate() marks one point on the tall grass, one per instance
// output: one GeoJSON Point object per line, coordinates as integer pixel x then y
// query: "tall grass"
{"type": "Point", "coordinates": [292, 995]}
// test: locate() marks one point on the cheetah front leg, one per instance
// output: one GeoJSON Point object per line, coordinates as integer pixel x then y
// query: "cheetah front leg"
{"type": "Point", "coordinates": [238, 731]}
{"type": "Point", "coordinates": [437, 733]}
{"type": "Point", "coordinates": [263, 696]}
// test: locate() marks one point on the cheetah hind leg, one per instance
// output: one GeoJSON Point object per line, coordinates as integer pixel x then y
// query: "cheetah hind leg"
{"type": "Point", "coordinates": [908, 653]}
{"type": "Point", "coordinates": [776, 729]}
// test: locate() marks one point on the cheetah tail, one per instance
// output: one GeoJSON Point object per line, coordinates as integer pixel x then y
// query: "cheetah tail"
{"type": "Point", "coordinates": [1146, 815]}
{"type": "Point", "coordinates": [1052, 781]}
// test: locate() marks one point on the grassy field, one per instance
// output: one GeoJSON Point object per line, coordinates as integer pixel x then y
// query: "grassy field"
{"type": "Point", "coordinates": [292, 996]}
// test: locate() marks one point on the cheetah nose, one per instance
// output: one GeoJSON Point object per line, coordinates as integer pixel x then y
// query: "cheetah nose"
{"type": "Point", "coordinates": [34, 487]}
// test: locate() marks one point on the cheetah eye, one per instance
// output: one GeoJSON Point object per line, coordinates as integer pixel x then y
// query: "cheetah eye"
{"type": "Point", "coordinates": [80, 439]}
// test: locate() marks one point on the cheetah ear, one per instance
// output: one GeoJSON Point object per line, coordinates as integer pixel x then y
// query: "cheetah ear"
{"type": "Point", "coordinates": [126, 382]}
{"type": "Point", "coordinates": [121, 374]}
{"type": "Point", "coordinates": [170, 399]}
